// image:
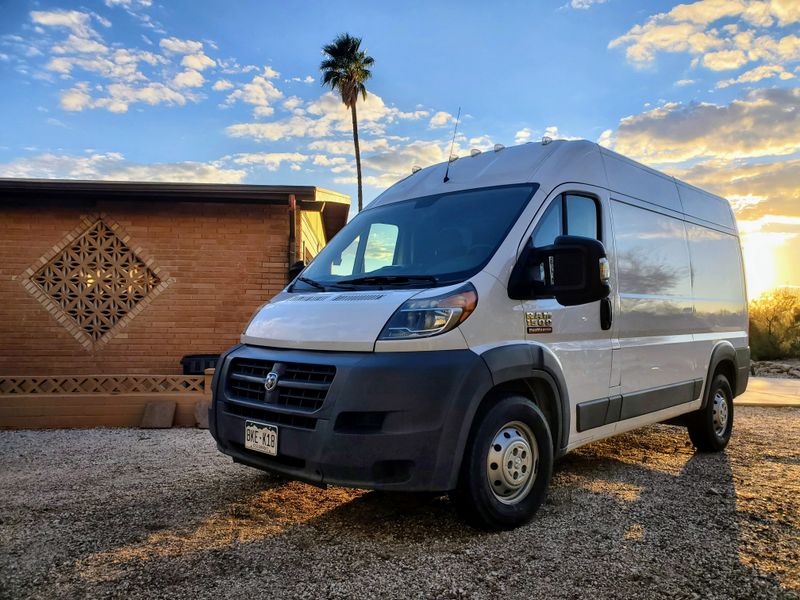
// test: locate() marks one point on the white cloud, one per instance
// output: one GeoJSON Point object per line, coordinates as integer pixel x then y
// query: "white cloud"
{"type": "Point", "coordinates": [325, 116]}
{"type": "Point", "coordinates": [346, 146]}
{"type": "Point", "coordinates": [113, 166]}
{"type": "Point", "coordinates": [270, 73]}
{"type": "Point", "coordinates": [260, 92]}
{"type": "Point", "coordinates": [271, 160]}
{"type": "Point", "coordinates": [77, 22]}
{"type": "Point", "coordinates": [684, 82]}
{"type": "Point", "coordinates": [441, 119]}
{"type": "Point", "coordinates": [607, 139]}
{"type": "Point", "coordinates": [129, 4]}
{"type": "Point", "coordinates": [691, 28]}
{"type": "Point", "coordinates": [221, 85]}
{"type": "Point", "coordinates": [293, 104]}
{"type": "Point", "coordinates": [765, 122]}
{"type": "Point", "coordinates": [120, 96]}
{"type": "Point", "coordinates": [198, 61]}
{"type": "Point", "coordinates": [76, 99]}
{"type": "Point", "coordinates": [523, 135]}
{"type": "Point", "coordinates": [80, 45]}
{"type": "Point", "coordinates": [178, 46]}
{"type": "Point", "coordinates": [309, 79]}
{"type": "Point", "coordinates": [758, 74]}
{"type": "Point", "coordinates": [188, 78]}
{"type": "Point", "coordinates": [584, 4]}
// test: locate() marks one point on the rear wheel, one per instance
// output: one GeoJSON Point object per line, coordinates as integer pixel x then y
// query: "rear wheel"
{"type": "Point", "coordinates": [507, 465]}
{"type": "Point", "coordinates": [710, 427]}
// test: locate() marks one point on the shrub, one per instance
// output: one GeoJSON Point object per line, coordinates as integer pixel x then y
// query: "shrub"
{"type": "Point", "coordinates": [775, 325]}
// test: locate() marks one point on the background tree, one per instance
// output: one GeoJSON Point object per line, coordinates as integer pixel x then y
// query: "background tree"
{"type": "Point", "coordinates": [345, 69]}
{"type": "Point", "coordinates": [775, 325]}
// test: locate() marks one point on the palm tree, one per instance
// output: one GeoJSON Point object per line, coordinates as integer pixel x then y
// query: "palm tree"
{"type": "Point", "coordinates": [345, 69]}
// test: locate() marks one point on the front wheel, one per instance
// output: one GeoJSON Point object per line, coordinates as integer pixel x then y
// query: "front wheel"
{"type": "Point", "coordinates": [710, 427]}
{"type": "Point", "coordinates": [507, 465]}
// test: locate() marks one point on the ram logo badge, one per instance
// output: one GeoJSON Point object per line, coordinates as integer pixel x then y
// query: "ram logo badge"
{"type": "Point", "coordinates": [539, 322]}
{"type": "Point", "coordinates": [271, 382]}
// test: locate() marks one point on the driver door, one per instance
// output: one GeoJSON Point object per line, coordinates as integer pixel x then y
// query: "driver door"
{"type": "Point", "coordinates": [575, 333]}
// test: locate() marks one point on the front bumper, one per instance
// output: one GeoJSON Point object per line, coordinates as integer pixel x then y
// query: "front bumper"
{"type": "Point", "coordinates": [390, 420]}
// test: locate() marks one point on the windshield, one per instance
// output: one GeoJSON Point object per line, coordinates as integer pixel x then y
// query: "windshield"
{"type": "Point", "coordinates": [434, 240]}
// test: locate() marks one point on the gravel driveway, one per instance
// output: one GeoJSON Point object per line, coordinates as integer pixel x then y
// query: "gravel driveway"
{"type": "Point", "coordinates": [160, 514]}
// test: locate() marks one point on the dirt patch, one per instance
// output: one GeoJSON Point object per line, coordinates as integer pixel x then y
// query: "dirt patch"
{"type": "Point", "coordinates": [161, 514]}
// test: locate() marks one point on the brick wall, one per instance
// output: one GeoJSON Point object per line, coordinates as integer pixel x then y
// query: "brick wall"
{"type": "Point", "coordinates": [225, 260]}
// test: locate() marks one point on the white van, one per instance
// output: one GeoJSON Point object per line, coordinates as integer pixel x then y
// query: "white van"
{"type": "Point", "coordinates": [482, 317]}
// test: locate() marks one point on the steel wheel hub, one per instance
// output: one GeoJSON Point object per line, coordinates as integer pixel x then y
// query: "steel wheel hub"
{"type": "Point", "coordinates": [512, 462]}
{"type": "Point", "coordinates": [719, 412]}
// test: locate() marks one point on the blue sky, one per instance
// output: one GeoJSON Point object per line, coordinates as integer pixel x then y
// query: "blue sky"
{"type": "Point", "coordinates": [212, 91]}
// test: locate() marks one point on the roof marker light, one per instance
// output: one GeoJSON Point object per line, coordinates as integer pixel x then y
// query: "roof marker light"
{"type": "Point", "coordinates": [474, 152]}
{"type": "Point", "coordinates": [546, 140]}
{"type": "Point", "coordinates": [453, 158]}
{"type": "Point", "coordinates": [498, 147]}
{"type": "Point", "coordinates": [415, 169]}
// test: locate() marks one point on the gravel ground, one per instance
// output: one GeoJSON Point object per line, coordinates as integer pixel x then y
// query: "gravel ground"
{"type": "Point", "coordinates": [160, 514]}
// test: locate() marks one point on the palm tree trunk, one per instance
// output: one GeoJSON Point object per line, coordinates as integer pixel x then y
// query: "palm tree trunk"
{"type": "Point", "coordinates": [358, 155]}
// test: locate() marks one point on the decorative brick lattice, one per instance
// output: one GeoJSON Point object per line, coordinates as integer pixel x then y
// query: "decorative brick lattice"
{"type": "Point", "coordinates": [103, 384]}
{"type": "Point", "coordinates": [93, 283]}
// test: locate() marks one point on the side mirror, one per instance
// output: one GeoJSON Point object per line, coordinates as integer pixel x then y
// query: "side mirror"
{"type": "Point", "coordinates": [574, 270]}
{"type": "Point", "coordinates": [296, 269]}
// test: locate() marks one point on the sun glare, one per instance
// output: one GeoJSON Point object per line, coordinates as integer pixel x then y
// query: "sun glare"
{"type": "Point", "coordinates": [761, 251]}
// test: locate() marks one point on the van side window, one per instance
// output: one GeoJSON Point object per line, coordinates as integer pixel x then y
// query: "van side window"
{"type": "Point", "coordinates": [549, 228]}
{"type": "Point", "coordinates": [568, 214]}
{"type": "Point", "coordinates": [582, 216]}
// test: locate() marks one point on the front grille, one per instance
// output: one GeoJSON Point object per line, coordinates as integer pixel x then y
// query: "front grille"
{"type": "Point", "coordinates": [269, 416]}
{"type": "Point", "coordinates": [300, 386]}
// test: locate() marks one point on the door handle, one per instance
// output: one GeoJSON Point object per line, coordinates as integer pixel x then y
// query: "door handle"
{"type": "Point", "coordinates": [606, 314]}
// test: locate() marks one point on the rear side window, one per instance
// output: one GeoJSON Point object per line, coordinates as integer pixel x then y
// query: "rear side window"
{"type": "Point", "coordinates": [568, 214]}
{"type": "Point", "coordinates": [716, 266]}
{"type": "Point", "coordinates": [652, 254]}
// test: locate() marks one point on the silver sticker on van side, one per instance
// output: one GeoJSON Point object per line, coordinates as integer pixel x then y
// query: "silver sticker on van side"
{"type": "Point", "coordinates": [539, 322]}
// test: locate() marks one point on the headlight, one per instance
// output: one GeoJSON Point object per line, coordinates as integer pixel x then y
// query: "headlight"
{"type": "Point", "coordinates": [431, 316]}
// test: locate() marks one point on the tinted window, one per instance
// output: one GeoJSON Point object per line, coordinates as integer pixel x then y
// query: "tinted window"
{"type": "Point", "coordinates": [581, 216]}
{"type": "Point", "coordinates": [652, 257]}
{"type": "Point", "coordinates": [716, 267]}
{"type": "Point", "coordinates": [568, 214]}
{"type": "Point", "coordinates": [549, 228]}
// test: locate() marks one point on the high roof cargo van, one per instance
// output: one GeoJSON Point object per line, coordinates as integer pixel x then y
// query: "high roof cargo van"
{"type": "Point", "coordinates": [482, 317]}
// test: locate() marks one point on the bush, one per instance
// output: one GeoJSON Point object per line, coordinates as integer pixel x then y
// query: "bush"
{"type": "Point", "coordinates": [775, 325]}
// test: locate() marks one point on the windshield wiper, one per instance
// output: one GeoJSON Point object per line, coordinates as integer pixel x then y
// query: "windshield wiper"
{"type": "Point", "coordinates": [311, 282]}
{"type": "Point", "coordinates": [387, 279]}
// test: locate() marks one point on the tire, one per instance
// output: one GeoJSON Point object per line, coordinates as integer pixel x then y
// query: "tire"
{"type": "Point", "coordinates": [710, 427]}
{"type": "Point", "coordinates": [513, 431]}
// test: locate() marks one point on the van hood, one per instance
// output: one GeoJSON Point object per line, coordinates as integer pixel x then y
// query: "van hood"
{"type": "Point", "coordinates": [349, 321]}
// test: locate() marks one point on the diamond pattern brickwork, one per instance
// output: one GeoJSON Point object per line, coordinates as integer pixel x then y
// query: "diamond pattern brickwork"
{"type": "Point", "coordinates": [93, 282]}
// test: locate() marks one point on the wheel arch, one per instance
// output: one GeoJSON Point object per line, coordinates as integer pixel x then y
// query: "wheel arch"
{"type": "Point", "coordinates": [535, 372]}
{"type": "Point", "coordinates": [725, 360]}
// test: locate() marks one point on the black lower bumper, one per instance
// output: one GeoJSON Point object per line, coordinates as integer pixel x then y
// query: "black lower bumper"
{"type": "Point", "coordinates": [393, 420]}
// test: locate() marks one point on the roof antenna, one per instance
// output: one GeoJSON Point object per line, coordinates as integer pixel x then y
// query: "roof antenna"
{"type": "Point", "coordinates": [447, 170]}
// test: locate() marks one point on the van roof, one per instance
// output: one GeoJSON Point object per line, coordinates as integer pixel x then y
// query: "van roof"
{"type": "Point", "coordinates": [559, 161]}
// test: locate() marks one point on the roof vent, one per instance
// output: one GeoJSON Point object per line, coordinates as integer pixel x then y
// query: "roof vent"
{"type": "Point", "coordinates": [546, 140]}
{"type": "Point", "coordinates": [415, 169]}
{"type": "Point", "coordinates": [474, 152]}
{"type": "Point", "coordinates": [498, 147]}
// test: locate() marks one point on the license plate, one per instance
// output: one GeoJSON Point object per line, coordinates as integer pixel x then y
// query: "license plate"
{"type": "Point", "coordinates": [261, 437]}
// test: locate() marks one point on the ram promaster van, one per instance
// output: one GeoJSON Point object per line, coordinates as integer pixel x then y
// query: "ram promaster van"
{"type": "Point", "coordinates": [484, 316]}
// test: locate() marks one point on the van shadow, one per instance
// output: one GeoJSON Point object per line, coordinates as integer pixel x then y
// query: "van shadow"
{"type": "Point", "coordinates": [642, 507]}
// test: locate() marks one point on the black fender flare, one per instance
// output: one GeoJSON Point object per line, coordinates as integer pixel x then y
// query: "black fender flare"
{"type": "Point", "coordinates": [724, 350]}
{"type": "Point", "coordinates": [525, 361]}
